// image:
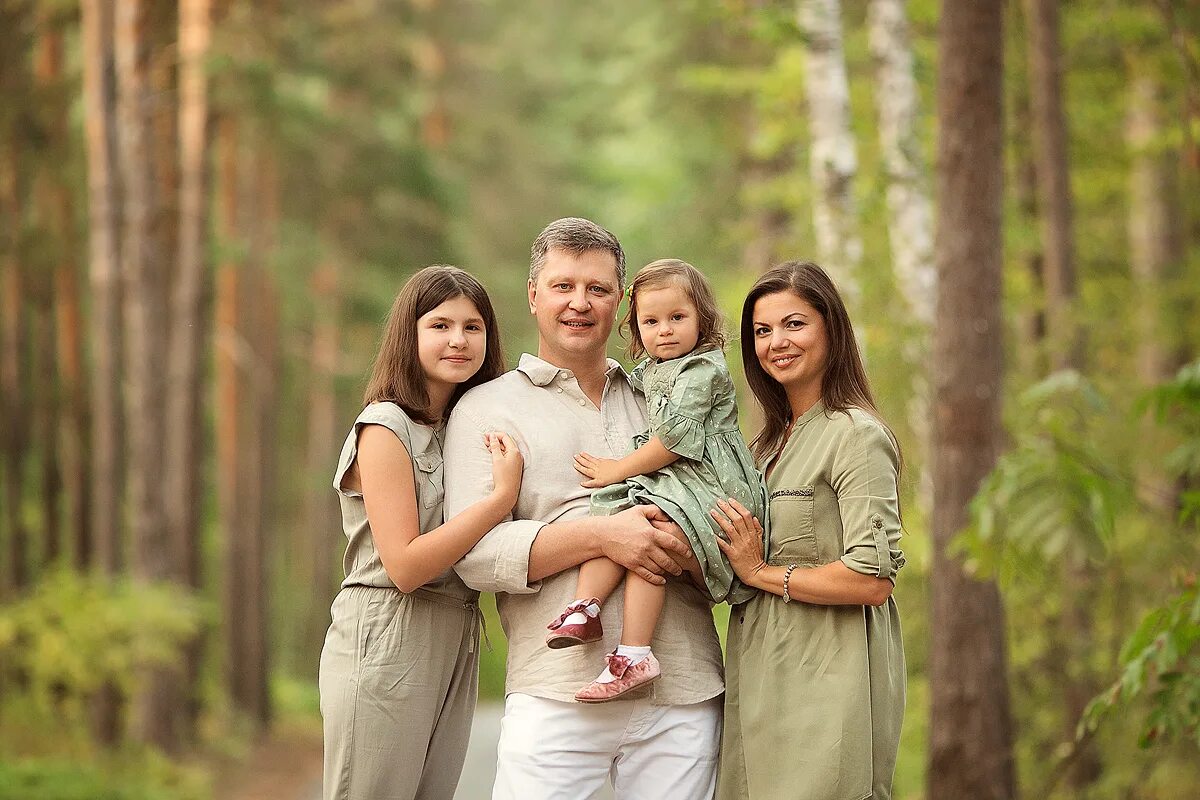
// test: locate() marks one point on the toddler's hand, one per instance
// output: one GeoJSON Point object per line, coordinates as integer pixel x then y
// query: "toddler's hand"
{"type": "Point", "coordinates": [598, 471]}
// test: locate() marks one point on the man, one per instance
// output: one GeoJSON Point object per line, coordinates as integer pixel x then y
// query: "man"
{"type": "Point", "coordinates": [567, 399]}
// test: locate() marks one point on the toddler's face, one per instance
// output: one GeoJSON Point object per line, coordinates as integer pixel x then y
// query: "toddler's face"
{"type": "Point", "coordinates": [668, 322]}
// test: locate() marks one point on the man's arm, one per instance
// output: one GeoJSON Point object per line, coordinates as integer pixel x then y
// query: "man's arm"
{"type": "Point", "coordinates": [629, 538]}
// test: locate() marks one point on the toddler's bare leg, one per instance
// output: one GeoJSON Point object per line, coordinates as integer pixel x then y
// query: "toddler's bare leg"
{"type": "Point", "coordinates": [597, 578]}
{"type": "Point", "coordinates": [643, 605]}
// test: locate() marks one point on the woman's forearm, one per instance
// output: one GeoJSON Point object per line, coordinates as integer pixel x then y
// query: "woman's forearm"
{"type": "Point", "coordinates": [832, 584]}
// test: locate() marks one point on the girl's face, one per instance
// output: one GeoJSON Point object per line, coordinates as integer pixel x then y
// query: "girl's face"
{"type": "Point", "coordinates": [667, 322]}
{"type": "Point", "coordinates": [791, 342]}
{"type": "Point", "coordinates": [451, 342]}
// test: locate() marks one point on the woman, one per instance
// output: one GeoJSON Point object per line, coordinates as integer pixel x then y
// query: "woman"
{"type": "Point", "coordinates": [399, 670]}
{"type": "Point", "coordinates": [815, 661]}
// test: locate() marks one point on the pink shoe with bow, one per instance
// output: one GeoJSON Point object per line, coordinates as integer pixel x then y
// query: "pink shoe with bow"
{"type": "Point", "coordinates": [568, 635]}
{"type": "Point", "coordinates": [629, 677]}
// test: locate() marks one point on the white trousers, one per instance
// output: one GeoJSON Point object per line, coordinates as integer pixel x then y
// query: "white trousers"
{"type": "Point", "coordinates": [551, 750]}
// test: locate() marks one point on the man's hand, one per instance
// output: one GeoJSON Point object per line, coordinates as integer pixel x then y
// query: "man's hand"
{"type": "Point", "coordinates": [639, 539]}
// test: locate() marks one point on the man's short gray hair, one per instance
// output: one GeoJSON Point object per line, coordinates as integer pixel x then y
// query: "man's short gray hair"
{"type": "Point", "coordinates": [577, 236]}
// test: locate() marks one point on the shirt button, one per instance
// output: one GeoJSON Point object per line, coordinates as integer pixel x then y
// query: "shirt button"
{"type": "Point", "coordinates": [583, 402]}
{"type": "Point", "coordinates": [559, 390]}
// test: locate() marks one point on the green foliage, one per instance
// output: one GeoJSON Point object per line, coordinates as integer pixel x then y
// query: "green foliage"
{"type": "Point", "coordinates": [1055, 494]}
{"type": "Point", "coordinates": [1160, 663]}
{"type": "Point", "coordinates": [148, 777]}
{"type": "Point", "coordinates": [74, 633]}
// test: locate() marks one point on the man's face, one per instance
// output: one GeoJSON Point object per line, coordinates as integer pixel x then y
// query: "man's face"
{"type": "Point", "coordinates": [575, 301]}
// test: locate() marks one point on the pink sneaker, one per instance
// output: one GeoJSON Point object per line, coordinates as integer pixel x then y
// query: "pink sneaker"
{"type": "Point", "coordinates": [576, 633]}
{"type": "Point", "coordinates": [643, 673]}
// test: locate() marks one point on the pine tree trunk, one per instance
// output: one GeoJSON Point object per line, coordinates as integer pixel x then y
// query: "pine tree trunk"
{"type": "Point", "coordinates": [142, 42]}
{"type": "Point", "coordinates": [324, 527]}
{"type": "Point", "coordinates": [104, 218]}
{"type": "Point", "coordinates": [970, 748]}
{"type": "Point", "coordinates": [1156, 255]}
{"type": "Point", "coordinates": [833, 161]}
{"type": "Point", "coordinates": [1053, 182]}
{"type": "Point", "coordinates": [105, 333]}
{"type": "Point", "coordinates": [185, 433]}
{"type": "Point", "coordinates": [13, 382]}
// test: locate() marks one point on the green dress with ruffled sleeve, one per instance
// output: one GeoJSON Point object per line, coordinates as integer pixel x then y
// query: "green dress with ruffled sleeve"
{"type": "Point", "coordinates": [693, 411]}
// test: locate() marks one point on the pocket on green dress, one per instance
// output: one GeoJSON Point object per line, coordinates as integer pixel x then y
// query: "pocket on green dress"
{"type": "Point", "coordinates": [793, 537]}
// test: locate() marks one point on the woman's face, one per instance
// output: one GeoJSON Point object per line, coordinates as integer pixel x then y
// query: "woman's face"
{"type": "Point", "coordinates": [451, 342]}
{"type": "Point", "coordinates": [790, 341]}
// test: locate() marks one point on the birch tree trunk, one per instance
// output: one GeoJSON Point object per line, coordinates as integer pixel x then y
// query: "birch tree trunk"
{"type": "Point", "coordinates": [910, 212]}
{"type": "Point", "coordinates": [833, 161]}
{"type": "Point", "coordinates": [970, 748]}
{"type": "Point", "coordinates": [140, 44]}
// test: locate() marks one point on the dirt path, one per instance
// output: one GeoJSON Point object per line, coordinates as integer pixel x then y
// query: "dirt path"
{"type": "Point", "coordinates": [286, 766]}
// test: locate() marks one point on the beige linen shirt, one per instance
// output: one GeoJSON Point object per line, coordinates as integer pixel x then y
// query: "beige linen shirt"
{"type": "Point", "coordinates": [543, 408]}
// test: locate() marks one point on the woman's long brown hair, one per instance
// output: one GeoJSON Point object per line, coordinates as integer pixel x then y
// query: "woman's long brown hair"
{"type": "Point", "coordinates": [397, 376]}
{"type": "Point", "coordinates": [844, 384]}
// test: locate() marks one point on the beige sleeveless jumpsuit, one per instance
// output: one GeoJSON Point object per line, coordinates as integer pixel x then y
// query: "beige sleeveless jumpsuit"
{"type": "Point", "coordinates": [399, 672]}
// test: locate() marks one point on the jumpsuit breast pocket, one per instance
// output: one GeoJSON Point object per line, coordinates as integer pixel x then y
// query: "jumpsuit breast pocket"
{"type": "Point", "coordinates": [429, 478]}
{"type": "Point", "coordinates": [793, 537]}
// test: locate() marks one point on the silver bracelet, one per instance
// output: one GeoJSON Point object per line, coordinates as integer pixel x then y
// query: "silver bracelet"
{"type": "Point", "coordinates": [787, 575]}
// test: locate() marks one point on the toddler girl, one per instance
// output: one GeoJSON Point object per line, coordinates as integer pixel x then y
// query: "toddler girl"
{"type": "Point", "coordinates": [692, 455]}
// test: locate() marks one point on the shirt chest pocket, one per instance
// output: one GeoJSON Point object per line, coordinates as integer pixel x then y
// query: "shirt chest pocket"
{"type": "Point", "coordinates": [429, 474]}
{"type": "Point", "coordinates": [793, 536]}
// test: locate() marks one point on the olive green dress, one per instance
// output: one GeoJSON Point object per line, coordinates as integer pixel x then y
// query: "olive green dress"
{"type": "Point", "coordinates": [814, 694]}
{"type": "Point", "coordinates": [693, 412]}
{"type": "Point", "coordinates": [399, 672]}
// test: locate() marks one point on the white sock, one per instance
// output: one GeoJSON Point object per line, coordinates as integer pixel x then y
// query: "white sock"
{"type": "Point", "coordinates": [634, 654]}
{"type": "Point", "coordinates": [578, 617]}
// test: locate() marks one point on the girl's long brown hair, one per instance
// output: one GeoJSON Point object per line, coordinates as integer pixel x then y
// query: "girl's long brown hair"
{"type": "Point", "coordinates": [397, 376]}
{"type": "Point", "coordinates": [844, 384]}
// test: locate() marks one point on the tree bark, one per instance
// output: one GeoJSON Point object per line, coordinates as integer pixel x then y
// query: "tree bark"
{"type": "Point", "coordinates": [183, 469]}
{"type": "Point", "coordinates": [144, 33]}
{"type": "Point", "coordinates": [105, 332]}
{"type": "Point", "coordinates": [970, 748]}
{"type": "Point", "coordinates": [833, 161]}
{"type": "Point", "coordinates": [13, 383]}
{"type": "Point", "coordinates": [1055, 203]}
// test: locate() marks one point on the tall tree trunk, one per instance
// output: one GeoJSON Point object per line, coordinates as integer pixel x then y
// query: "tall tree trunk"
{"type": "Point", "coordinates": [15, 281]}
{"type": "Point", "coordinates": [144, 33]}
{"type": "Point", "coordinates": [970, 748]}
{"type": "Point", "coordinates": [833, 161]}
{"type": "Point", "coordinates": [910, 212]}
{"type": "Point", "coordinates": [184, 467]}
{"type": "Point", "coordinates": [322, 518]}
{"type": "Point", "coordinates": [1155, 256]}
{"type": "Point", "coordinates": [1053, 181]}
{"type": "Point", "coordinates": [13, 383]}
{"type": "Point", "coordinates": [1066, 344]}
{"type": "Point", "coordinates": [105, 332]}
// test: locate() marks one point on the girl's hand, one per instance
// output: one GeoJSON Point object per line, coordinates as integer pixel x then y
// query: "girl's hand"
{"type": "Point", "coordinates": [744, 547]}
{"type": "Point", "coordinates": [599, 472]}
{"type": "Point", "coordinates": [507, 465]}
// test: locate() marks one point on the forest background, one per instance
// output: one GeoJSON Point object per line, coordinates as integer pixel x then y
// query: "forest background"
{"type": "Point", "coordinates": [207, 206]}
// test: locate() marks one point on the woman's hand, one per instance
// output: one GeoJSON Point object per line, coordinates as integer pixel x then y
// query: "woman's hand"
{"type": "Point", "coordinates": [507, 465]}
{"type": "Point", "coordinates": [599, 472]}
{"type": "Point", "coordinates": [744, 547]}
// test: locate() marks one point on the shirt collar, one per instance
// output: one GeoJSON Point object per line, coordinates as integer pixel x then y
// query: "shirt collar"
{"type": "Point", "coordinates": [541, 372]}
